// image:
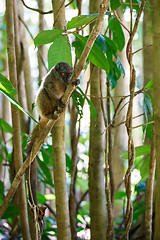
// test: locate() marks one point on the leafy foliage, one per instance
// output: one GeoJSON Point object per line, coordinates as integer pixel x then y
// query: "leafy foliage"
{"type": "Point", "coordinates": [140, 151]}
{"type": "Point", "coordinates": [118, 35]}
{"type": "Point", "coordinates": [59, 51]}
{"type": "Point", "coordinates": [96, 55]}
{"type": "Point", "coordinates": [115, 4]}
{"type": "Point", "coordinates": [47, 36]}
{"type": "Point", "coordinates": [8, 91]}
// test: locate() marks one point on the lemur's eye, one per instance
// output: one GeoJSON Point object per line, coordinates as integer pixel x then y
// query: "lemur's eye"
{"type": "Point", "coordinates": [62, 74]}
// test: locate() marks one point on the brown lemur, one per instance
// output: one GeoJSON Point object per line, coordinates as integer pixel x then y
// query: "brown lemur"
{"type": "Point", "coordinates": [49, 95]}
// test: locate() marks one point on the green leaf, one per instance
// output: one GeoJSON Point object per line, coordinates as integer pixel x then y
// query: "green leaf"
{"type": "Point", "coordinates": [100, 41]}
{"type": "Point", "coordinates": [92, 108]}
{"type": "Point", "coordinates": [49, 196]}
{"type": "Point", "coordinates": [41, 198]}
{"type": "Point", "coordinates": [115, 4]}
{"type": "Point", "coordinates": [5, 127]}
{"type": "Point", "coordinates": [6, 86]}
{"type": "Point", "coordinates": [44, 198]}
{"type": "Point", "coordinates": [80, 20]}
{"type": "Point", "coordinates": [96, 55]}
{"type": "Point", "coordinates": [46, 171]}
{"type": "Point", "coordinates": [68, 164]}
{"type": "Point", "coordinates": [120, 194]}
{"type": "Point", "coordinates": [120, 66]}
{"type": "Point", "coordinates": [15, 103]}
{"type": "Point", "coordinates": [47, 36]}
{"type": "Point", "coordinates": [149, 85]}
{"type": "Point", "coordinates": [7, 89]}
{"type": "Point", "coordinates": [139, 151]}
{"type": "Point", "coordinates": [118, 35]}
{"type": "Point", "coordinates": [12, 211]}
{"type": "Point", "coordinates": [78, 48]}
{"type": "Point", "coordinates": [78, 101]}
{"type": "Point", "coordinates": [148, 108]}
{"type": "Point", "coordinates": [113, 46]}
{"type": "Point", "coordinates": [144, 170]}
{"type": "Point", "coordinates": [138, 210]}
{"type": "Point", "coordinates": [59, 51]}
{"type": "Point", "coordinates": [1, 190]}
{"type": "Point", "coordinates": [140, 187]}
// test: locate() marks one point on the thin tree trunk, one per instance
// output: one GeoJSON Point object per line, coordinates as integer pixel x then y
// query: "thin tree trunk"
{"type": "Point", "coordinates": [150, 189]}
{"type": "Point", "coordinates": [59, 163]}
{"type": "Point", "coordinates": [72, 200]}
{"type": "Point", "coordinates": [96, 154]}
{"type": "Point", "coordinates": [41, 49]}
{"type": "Point", "coordinates": [120, 133]}
{"type": "Point", "coordinates": [96, 166]}
{"type": "Point", "coordinates": [147, 40]}
{"type": "Point", "coordinates": [19, 48]}
{"type": "Point", "coordinates": [148, 75]}
{"type": "Point", "coordinates": [59, 168]}
{"type": "Point", "coordinates": [156, 91]}
{"type": "Point", "coordinates": [17, 150]}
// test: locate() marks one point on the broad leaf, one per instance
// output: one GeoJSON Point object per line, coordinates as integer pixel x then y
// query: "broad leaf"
{"type": "Point", "coordinates": [92, 108]}
{"type": "Point", "coordinates": [59, 51]}
{"type": "Point", "coordinates": [5, 127]}
{"type": "Point", "coordinates": [96, 55]}
{"type": "Point", "coordinates": [47, 36]}
{"type": "Point", "coordinates": [100, 41]}
{"type": "Point", "coordinates": [7, 89]}
{"type": "Point", "coordinates": [118, 35]}
{"type": "Point", "coordinates": [15, 103]}
{"type": "Point", "coordinates": [120, 195]}
{"type": "Point", "coordinates": [6, 86]}
{"type": "Point", "coordinates": [140, 187]}
{"type": "Point", "coordinates": [149, 85]}
{"type": "Point", "coordinates": [41, 198]}
{"type": "Point", "coordinates": [115, 4]}
{"type": "Point", "coordinates": [11, 211]}
{"type": "Point", "coordinates": [113, 45]}
{"type": "Point", "coordinates": [81, 20]}
{"type": "Point", "coordinates": [46, 172]}
{"type": "Point", "coordinates": [140, 151]}
{"type": "Point", "coordinates": [78, 101]}
{"type": "Point", "coordinates": [120, 66]}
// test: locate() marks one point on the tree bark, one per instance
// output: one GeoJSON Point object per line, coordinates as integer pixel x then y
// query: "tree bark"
{"type": "Point", "coordinates": [59, 163]}
{"type": "Point", "coordinates": [156, 95]}
{"type": "Point", "coordinates": [96, 155]}
{"type": "Point", "coordinates": [120, 133]}
{"type": "Point", "coordinates": [147, 40]}
{"type": "Point", "coordinates": [19, 49]}
{"type": "Point", "coordinates": [96, 165]}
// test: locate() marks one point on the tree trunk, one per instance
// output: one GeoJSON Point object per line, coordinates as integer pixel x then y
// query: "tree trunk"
{"type": "Point", "coordinates": [42, 51]}
{"type": "Point", "coordinates": [59, 163]}
{"type": "Point", "coordinates": [96, 165]}
{"type": "Point", "coordinates": [120, 133]}
{"type": "Point", "coordinates": [147, 40]}
{"type": "Point", "coordinates": [96, 155]}
{"type": "Point", "coordinates": [156, 91]}
{"type": "Point", "coordinates": [19, 49]}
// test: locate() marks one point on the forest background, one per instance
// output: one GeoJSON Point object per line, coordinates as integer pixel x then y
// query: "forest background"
{"type": "Point", "coordinates": [94, 176]}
